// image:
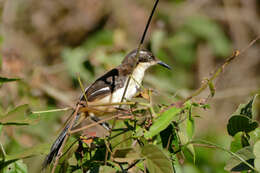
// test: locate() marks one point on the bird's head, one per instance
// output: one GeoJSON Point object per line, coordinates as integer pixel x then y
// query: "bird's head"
{"type": "Point", "coordinates": [145, 58]}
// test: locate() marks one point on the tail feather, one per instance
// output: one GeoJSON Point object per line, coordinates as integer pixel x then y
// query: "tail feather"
{"type": "Point", "coordinates": [59, 141]}
{"type": "Point", "coordinates": [57, 144]}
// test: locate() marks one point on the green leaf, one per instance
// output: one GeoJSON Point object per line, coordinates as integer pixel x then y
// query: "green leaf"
{"type": "Point", "coordinates": [239, 141]}
{"type": "Point", "coordinates": [236, 143]}
{"type": "Point", "coordinates": [235, 164]}
{"type": "Point", "coordinates": [190, 168]}
{"type": "Point", "coordinates": [4, 80]}
{"type": "Point", "coordinates": [190, 127]}
{"type": "Point", "coordinates": [188, 150]}
{"type": "Point", "coordinates": [126, 155]}
{"type": "Point", "coordinates": [240, 123]}
{"type": "Point", "coordinates": [162, 122]}
{"type": "Point", "coordinates": [257, 155]}
{"type": "Point", "coordinates": [121, 140]}
{"type": "Point", "coordinates": [246, 109]}
{"type": "Point", "coordinates": [15, 167]}
{"type": "Point", "coordinates": [30, 152]}
{"type": "Point", "coordinates": [212, 89]}
{"type": "Point", "coordinates": [20, 115]}
{"type": "Point", "coordinates": [106, 169]}
{"type": "Point", "coordinates": [255, 135]}
{"type": "Point", "coordinates": [156, 160]}
{"type": "Point", "coordinates": [177, 166]}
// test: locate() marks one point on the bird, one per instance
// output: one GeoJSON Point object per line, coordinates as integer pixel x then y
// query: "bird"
{"type": "Point", "coordinates": [117, 85]}
{"type": "Point", "coordinates": [111, 88]}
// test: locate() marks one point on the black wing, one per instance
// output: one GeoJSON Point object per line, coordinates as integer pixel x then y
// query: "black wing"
{"type": "Point", "coordinates": [105, 85]}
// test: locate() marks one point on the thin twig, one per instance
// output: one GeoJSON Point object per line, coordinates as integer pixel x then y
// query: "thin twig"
{"type": "Point", "coordinates": [222, 148]}
{"type": "Point", "coordinates": [82, 89]}
{"type": "Point", "coordinates": [94, 124]}
{"type": "Point", "coordinates": [132, 165]}
{"type": "Point", "coordinates": [236, 54]}
{"type": "Point", "coordinates": [53, 110]}
{"type": "Point", "coordinates": [59, 154]}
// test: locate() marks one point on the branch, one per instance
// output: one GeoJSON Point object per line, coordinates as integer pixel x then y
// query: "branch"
{"type": "Point", "coordinates": [96, 123]}
{"type": "Point", "coordinates": [235, 54]}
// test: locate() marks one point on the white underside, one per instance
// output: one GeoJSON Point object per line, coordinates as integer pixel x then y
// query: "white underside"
{"type": "Point", "coordinates": [134, 85]}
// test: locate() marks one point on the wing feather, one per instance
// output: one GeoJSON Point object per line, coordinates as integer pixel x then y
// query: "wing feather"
{"type": "Point", "coordinates": [104, 85]}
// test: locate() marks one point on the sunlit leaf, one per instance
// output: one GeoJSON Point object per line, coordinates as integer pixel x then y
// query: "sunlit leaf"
{"type": "Point", "coordinates": [126, 155]}
{"type": "Point", "coordinates": [212, 89]}
{"type": "Point", "coordinates": [188, 150]}
{"type": "Point", "coordinates": [162, 122]}
{"type": "Point", "coordinates": [190, 168]}
{"type": "Point", "coordinates": [156, 160]}
{"type": "Point", "coordinates": [20, 115]}
{"type": "Point", "coordinates": [236, 143]}
{"type": "Point", "coordinates": [257, 155]}
{"type": "Point", "coordinates": [240, 123]}
{"type": "Point", "coordinates": [106, 169]}
{"type": "Point", "coordinates": [255, 135]}
{"type": "Point", "coordinates": [190, 127]}
{"type": "Point", "coordinates": [176, 165]}
{"type": "Point", "coordinates": [15, 167]}
{"type": "Point", "coordinates": [235, 164]}
{"type": "Point", "coordinates": [246, 109]}
{"type": "Point", "coordinates": [121, 140]}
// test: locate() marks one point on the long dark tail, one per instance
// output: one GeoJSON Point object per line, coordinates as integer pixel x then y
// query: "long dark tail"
{"type": "Point", "coordinates": [57, 144]}
{"type": "Point", "coordinates": [59, 141]}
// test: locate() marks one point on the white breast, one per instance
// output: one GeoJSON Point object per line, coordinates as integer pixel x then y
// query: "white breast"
{"type": "Point", "coordinates": [134, 85]}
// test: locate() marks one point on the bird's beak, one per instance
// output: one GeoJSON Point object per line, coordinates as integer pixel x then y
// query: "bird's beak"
{"type": "Point", "coordinates": [164, 65]}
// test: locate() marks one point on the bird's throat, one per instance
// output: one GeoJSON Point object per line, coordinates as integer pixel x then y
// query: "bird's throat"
{"type": "Point", "coordinates": [136, 79]}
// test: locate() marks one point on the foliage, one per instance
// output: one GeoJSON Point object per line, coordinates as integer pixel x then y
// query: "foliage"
{"type": "Point", "coordinates": [160, 135]}
{"type": "Point", "coordinates": [240, 126]}
{"type": "Point", "coordinates": [152, 140]}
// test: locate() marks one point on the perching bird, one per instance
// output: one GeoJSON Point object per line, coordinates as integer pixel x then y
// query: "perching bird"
{"type": "Point", "coordinates": [110, 88]}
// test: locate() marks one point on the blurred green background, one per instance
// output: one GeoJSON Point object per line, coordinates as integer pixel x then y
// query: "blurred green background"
{"type": "Point", "coordinates": [48, 43]}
